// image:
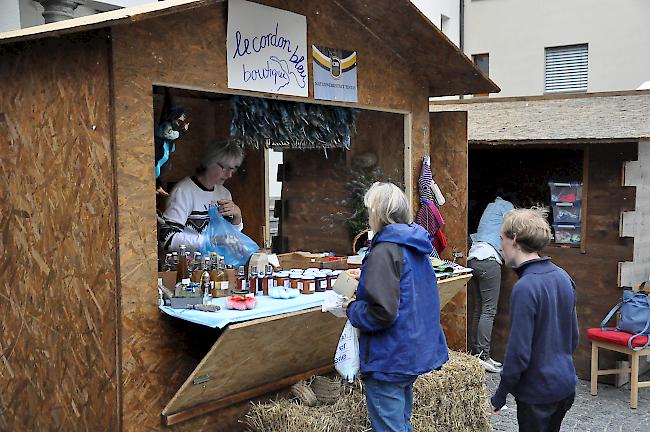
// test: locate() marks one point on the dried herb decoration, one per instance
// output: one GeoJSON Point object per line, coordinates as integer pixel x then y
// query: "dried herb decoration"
{"type": "Point", "coordinates": [259, 122]}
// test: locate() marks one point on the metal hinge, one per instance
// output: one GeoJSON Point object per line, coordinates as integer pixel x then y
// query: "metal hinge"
{"type": "Point", "coordinates": [201, 379]}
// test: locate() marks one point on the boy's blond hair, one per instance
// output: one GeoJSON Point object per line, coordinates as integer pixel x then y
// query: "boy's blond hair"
{"type": "Point", "coordinates": [528, 227]}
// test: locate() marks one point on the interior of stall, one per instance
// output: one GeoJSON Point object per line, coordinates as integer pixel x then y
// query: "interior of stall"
{"type": "Point", "coordinates": [293, 195]}
{"type": "Point", "coordinates": [547, 176]}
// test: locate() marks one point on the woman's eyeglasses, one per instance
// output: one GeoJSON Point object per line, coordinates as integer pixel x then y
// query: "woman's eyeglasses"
{"type": "Point", "coordinates": [229, 169]}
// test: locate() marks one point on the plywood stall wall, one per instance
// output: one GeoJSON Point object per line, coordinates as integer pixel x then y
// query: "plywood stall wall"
{"type": "Point", "coordinates": [316, 190]}
{"type": "Point", "coordinates": [58, 292]}
{"type": "Point", "coordinates": [635, 223]}
{"type": "Point", "coordinates": [147, 53]}
{"type": "Point", "coordinates": [449, 168]}
{"type": "Point", "coordinates": [595, 272]}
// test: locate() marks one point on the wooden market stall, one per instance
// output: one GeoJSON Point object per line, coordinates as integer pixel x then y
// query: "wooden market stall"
{"type": "Point", "coordinates": [84, 345]}
{"type": "Point", "coordinates": [599, 140]}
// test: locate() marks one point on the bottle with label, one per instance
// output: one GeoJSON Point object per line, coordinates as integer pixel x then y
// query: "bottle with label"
{"type": "Point", "coordinates": [214, 261]}
{"type": "Point", "coordinates": [267, 279]}
{"type": "Point", "coordinates": [174, 261]}
{"type": "Point", "coordinates": [168, 264]}
{"type": "Point", "coordinates": [182, 271]}
{"type": "Point", "coordinates": [220, 280]}
{"type": "Point", "coordinates": [242, 284]}
{"type": "Point", "coordinates": [197, 270]}
{"type": "Point", "coordinates": [206, 287]}
{"type": "Point", "coordinates": [252, 281]}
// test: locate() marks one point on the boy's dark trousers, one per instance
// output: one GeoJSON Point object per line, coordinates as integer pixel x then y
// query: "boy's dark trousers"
{"type": "Point", "coordinates": [542, 417]}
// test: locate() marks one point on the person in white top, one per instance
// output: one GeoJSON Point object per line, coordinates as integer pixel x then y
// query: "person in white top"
{"type": "Point", "coordinates": [186, 214]}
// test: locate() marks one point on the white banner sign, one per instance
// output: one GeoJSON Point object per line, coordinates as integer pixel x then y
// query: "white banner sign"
{"type": "Point", "coordinates": [267, 49]}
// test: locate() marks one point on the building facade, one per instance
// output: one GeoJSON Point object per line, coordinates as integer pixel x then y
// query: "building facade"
{"type": "Point", "coordinates": [535, 47]}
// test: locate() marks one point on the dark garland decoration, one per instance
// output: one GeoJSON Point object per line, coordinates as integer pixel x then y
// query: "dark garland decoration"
{"type": "Point", "coordinates": [275, 123]}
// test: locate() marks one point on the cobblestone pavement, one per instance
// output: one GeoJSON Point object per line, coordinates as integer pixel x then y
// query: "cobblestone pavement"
{"type": "Point", "coordinates": [608, 412]}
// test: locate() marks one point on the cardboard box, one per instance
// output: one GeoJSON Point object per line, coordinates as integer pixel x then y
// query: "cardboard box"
{"type": "Point", "coordinates": [304, 260]}
{"type": "Point", "coordinates": [169, 279]}
{"type": "Point", "coordinates": [346, 285]}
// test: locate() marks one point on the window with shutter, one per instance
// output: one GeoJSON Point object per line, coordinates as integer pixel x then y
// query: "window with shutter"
{"type": "Point", "coordinates": [566, 68]}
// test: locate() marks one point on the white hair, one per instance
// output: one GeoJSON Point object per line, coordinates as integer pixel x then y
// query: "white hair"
{"type": "Point", "coordinates": [386, 204]}
{"type": "Point", "coordinates": [221, 151]}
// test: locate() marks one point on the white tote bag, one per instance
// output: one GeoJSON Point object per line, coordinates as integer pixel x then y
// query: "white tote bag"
{"type": "Point", "coordinates": [346, 358]}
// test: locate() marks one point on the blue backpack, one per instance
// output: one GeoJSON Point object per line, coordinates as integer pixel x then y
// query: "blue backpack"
{"type": "Point", "coordinates": [635, 316]}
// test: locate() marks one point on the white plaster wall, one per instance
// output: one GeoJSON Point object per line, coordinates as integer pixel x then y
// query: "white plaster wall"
{"type": "Point", "coordinates": [9, 15]}
{"type": "Point", "coordinates": [450, 8]}
{"type": "Point", "coordinates": [515, 33]}
{"type": "Point", "coordinates": [275, 187]}
{"type": "Point", "coordinates": [16, 14]}
{"type": "Point", "coordinates": [637, 223]}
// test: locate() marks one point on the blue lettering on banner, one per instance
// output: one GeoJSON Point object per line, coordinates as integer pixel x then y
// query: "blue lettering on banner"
{"type": "Point", "coordinates": [280, 71]}
{"type": "Point", "coordinates": [260, 42]}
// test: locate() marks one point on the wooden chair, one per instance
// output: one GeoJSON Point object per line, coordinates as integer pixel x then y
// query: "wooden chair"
{"type": "Point", "coordinates": [617, 341]}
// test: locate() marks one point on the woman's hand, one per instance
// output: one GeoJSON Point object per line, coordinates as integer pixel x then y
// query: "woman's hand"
{"type": "Point", "coordinates": [229, 208]}
{"type": "Point", "coordinates": [346, 303]}
{"type": "Point", "coordinates": [355, 273]}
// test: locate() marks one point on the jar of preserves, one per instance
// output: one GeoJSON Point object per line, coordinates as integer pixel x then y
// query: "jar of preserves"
{"type": "Point", "coordinates": [321, 281]}
{"type": "Point", "coordinates": [308, 282]}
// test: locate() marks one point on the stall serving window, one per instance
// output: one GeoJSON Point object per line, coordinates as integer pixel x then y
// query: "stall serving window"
{"type": "Point", "coordinates": [320, 206]}
{"type": "Point", "coordinates": [550, 176]}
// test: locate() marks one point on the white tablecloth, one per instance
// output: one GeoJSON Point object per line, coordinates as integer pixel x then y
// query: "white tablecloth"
{"type": "Point", "coordinates": [266, 306]}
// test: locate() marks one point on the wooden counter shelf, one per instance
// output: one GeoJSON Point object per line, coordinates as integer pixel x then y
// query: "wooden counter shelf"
{"type": "Point", "coordinates": [263, 355]}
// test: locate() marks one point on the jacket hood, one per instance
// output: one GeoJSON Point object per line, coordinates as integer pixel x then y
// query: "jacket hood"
{"type": "Point", "coordinates": [411, 235]}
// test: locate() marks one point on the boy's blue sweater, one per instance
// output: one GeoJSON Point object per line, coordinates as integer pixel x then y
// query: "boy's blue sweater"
{"type": "Point", "coordinates": [538, 366]}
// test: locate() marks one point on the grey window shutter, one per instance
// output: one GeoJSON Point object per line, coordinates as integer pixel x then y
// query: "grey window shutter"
{"type": "Point", "coordinates": [566, 69]}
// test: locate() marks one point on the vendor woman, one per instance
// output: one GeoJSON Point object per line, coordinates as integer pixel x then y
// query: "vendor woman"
{"type": "Point", "coordinates": [186, 215]}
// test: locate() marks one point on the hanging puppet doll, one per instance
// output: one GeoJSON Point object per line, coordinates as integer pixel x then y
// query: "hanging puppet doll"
{"type": "Point", "coordinates": [173, 124]}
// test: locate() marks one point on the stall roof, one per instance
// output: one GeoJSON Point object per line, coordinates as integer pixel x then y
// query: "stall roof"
{"type": "Point", "coordinates": [589, 117]}
{"type": "Point", "coordinates": [447, 70]}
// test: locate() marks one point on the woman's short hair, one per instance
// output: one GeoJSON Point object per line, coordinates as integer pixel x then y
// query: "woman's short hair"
{"type": "Point", "coordinates": [528, 227]}
{"type": "Point", "coordinates": [220, 151]}
{"type": "Point", "coordinates": [386, 204]}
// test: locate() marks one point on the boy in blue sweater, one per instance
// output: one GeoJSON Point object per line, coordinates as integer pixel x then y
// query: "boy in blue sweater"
{"type": "Point", "coordinates": [538, 366]}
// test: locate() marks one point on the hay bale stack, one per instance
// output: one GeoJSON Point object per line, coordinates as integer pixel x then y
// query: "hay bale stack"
{"type": "Point", "coordinates": [450, 400]}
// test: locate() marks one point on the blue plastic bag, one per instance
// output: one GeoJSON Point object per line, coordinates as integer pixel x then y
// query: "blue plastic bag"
{"type": "Point", "coordinates": [224, 239]}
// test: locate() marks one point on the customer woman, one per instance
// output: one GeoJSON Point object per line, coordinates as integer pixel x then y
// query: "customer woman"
{"type": "Point", "coordinates": [186, 214]}
{"type": "Point", "coordinates": [397, 310]}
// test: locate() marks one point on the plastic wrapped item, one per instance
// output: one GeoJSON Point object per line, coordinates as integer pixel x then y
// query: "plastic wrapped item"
{"type": "Point", "coordinates": [567, 234]}
{"type": "Point", "coordinates": [224, 239]}
{"type": "Point", "coordinates": [346, 358]}
{"type": "Point", "coordinates": [570, 192]}
{"type": "Point", "coordinates": [566, 212]}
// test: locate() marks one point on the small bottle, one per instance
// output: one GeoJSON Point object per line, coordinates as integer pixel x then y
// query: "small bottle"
{"type": "Point", "coordinates": [182, 272]}
{"type": "Point", "coordinates": [214, 261]}
{"type": "Point", "coordinates": [267, 279]}
{"type": "Point", "coordinates": [197, 271]}
{"type": "Point", "coordinates": [241, 279]}
{"type": "Point", "coordinates": [169, 263]}
{"type": "Point", "coordinates": [252, 281]}
{"type": "Point", "coordinates": [174, 260]}
{"type": "Point", "coordinates": [206, 287]}
{"type": "Point", "coordinates": [220, 280]}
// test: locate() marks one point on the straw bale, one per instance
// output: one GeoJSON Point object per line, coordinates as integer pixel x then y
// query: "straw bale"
{"type": "Point", "coordinates": [450, 400]}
